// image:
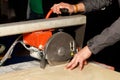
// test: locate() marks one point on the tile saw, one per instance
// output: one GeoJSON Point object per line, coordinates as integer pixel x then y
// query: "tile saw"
{"type": "Point", "coordinates": [49, 46]}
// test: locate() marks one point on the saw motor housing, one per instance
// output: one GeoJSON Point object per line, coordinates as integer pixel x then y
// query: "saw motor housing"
{"type": "Point", "coordinates": [37, 39]}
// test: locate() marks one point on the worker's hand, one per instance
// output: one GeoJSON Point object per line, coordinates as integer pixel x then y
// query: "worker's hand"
{"type": "Point", "coordinates": [56, 7]}
{"type": "Point", "coordinates": [79, 58]}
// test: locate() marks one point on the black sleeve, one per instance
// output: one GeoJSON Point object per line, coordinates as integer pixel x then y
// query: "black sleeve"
{"type": "Point", "coordinates": [92, 5]}
{"type": "Point", "coordinates": [108, 37]}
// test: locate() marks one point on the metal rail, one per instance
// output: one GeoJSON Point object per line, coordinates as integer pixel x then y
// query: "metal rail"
{"type": "Point", "coordinates": [42, 24]}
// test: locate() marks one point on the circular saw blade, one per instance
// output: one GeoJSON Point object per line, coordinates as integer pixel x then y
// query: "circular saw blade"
{"type": "Point", "coordinates": [57, 49]}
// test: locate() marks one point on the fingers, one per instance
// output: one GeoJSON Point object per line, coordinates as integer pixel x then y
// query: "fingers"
{"type": "Point", "coordinates": [56, 8]}
{"type": "Point", "coordinates": [81, 65]}
{"type": "Point", "coordinates": [72, 64]}
{"type": "Point", "coordinates": [75, 62]}
{"type": "Point", "coordinates": [85, 62]}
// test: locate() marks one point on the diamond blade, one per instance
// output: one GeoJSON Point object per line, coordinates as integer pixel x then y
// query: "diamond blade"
{"type": "Point", "coordinates": [57, 49]}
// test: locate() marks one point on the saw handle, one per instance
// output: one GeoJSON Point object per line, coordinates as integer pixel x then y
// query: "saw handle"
{"type": "Point", "coordinates": [64, 10]}
{"type": "Point", "coordinates": [49, 13]}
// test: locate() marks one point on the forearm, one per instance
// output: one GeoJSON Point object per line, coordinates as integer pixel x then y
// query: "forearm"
{"type": "Point", "coordinates": [92, 5]}
{"type": "Point", "coordinates": [108, 37]}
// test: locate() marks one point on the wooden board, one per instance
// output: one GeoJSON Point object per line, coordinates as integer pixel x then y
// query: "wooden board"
{"type": "Point", "coordinates": [90, 72]}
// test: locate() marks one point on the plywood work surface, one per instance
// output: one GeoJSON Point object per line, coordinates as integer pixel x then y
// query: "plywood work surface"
{"type": "Point", "coordinates": [90, 72]}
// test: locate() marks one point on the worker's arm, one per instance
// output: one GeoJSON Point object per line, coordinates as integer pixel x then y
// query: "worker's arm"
{"type": "Point", "coordinates": [108, 37]}
{"type": "Point", "coordinates": [84, 6]}
{"type": "Point", "coordinates": [93, 5]}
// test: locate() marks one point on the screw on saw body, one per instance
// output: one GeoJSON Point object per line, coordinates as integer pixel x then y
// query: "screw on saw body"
{"type": "Point", "coordinates": [72, 48]}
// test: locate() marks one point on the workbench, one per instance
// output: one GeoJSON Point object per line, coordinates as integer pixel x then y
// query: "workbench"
{"type": "Point", "coordinates": [90, 72]}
